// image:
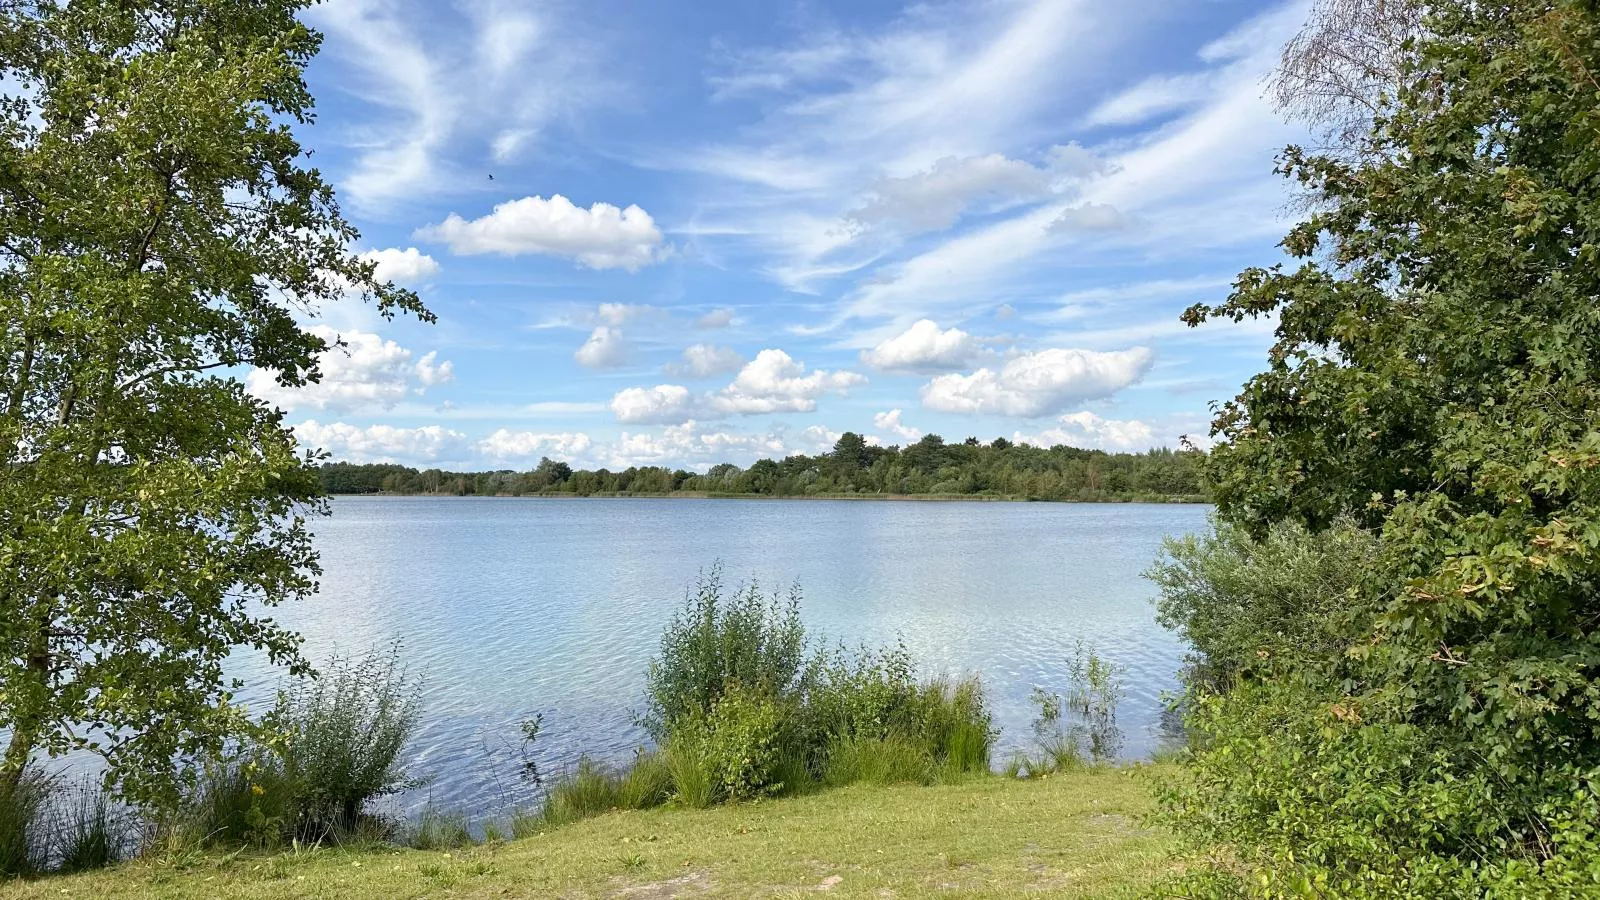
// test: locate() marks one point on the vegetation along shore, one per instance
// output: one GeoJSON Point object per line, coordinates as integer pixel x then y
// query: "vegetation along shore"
{"type": "Point", "coordinates": [929, 467]}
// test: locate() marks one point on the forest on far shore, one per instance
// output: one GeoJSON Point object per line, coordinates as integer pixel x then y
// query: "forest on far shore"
{"type": "Point", "coordinates": [930, 466]}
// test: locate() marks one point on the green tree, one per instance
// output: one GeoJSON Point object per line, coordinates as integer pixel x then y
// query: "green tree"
{"type": "Point", "coordinates": [159, 230]}
{"type": "Point", "coordinates": [1437, 375]}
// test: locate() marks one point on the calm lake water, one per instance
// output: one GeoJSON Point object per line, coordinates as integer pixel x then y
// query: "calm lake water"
{"type": "Point", "coordinates": [511, 607]}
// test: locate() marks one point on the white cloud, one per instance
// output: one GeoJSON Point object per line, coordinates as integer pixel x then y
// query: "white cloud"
{"type": "Point", "coordinates": [1151, 98]}
{"type": "Point", "coordinates": [1038, 383]}
{"type": "Point", "coordinates": [431, 373]}
{"type": "Point", "coordinates": [360, 372]}
{"type": "Point", "coordinates": [1085, 429]}
{"type": "Point", "coordinates": [505, 445]}
{"type": "Point", "coordinates": [407, 267]}
{"type": "Point", "coordinates": [435, 92]}
{"type": "Point", "coordinates": [600, 237]}
{"type": "Point", "coordinates": [604, 349]}
{"type": "Point", "coordinates": [623, 313]}
{"type": "Point", "coordinates": [383, 443]}
{"type": "Point", "coordinates": [704, 361]}
{"type": "Point", "coordinates": [890, 422]}
{"type": "Point", "coordinates": [935, 198]}
{"type": "Point", "coordinates": [662, 403]}
{"type": "Point", "coordinates": [1090, 217]}
{"type": "Point", "coordinates": [924, 348]}
{"type": "Point", "coordinates": [775, 382]}
{"type": "Point", "coordinates": [693, 445]}
{"type": "Point", "coordinates": [717, 318]}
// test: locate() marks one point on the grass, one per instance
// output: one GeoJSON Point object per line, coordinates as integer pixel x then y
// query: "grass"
{"type": "Point", "coordinates": [1071, 835]}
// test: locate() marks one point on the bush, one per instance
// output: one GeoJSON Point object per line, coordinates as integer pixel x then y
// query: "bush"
{"type": "Point", "coordinates": [743, 707]}
{"type": "Point", "coordinates": [343, 734]}
{"type": "Point", "coordinates": [1238, 601]}
{"type": "Point", "coordinates": [1300, 791]}
{"type": "Point", "coordinates": [746, 638]}
{"type": "Point", "coordinates": [333, 746]}
{"type": "Point", "coordinates": [736, 745]}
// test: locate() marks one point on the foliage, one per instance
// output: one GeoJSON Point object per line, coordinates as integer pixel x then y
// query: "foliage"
{"type": "Point", "coordinates": [744, 705]}
{"type": "Point", "coordinates": [736, 744]}
{"type": "Point", "coordinates": [336, 746]}
{"type": "Point", "coordinates": [1298, 793]}
{"type": "Point", "coordinates": [1080, 727]}
{"type": "Point", "coordinates": [1240, 603]}
{"type": "Point", "coordinates": [343, 734]}
{"type": "Point", "coordinates": [160, 231]}
{"type": "Point", "coordinates": [714, 642]}
{"type": "Point", "coordinates": [1434, 377]}
{"type": "Point", "coordinates": [890, 759]}
{"type": "Point", "coordinates": [929, 467]}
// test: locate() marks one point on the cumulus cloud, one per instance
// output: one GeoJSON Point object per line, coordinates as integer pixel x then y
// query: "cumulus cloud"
{"type": "Point", "coordinates": [383, 443]}
{"type": "Point", "coordinates": [360, 371]}
{"type": "Point", "coordinates": [772, 382]}
{"type": "Point", "coordinates": [1085, 429]}
{"type": "Point", "coordinates": [604, 349]}
{"type": "Point", "coordinates": [717, 318]}
{"type": "Point", "coordinates": [430, 372]}
{"type": "Point", "coordinates": [924, 348]}
{"type": "Point", "coordinates": [890, 422]}
{"type": "Point", "coordinates": [408, 267]}
{"type": "Point", "coordinates": [505, 445]}
{"type": "Point", "coordinates": [662, 403]}
{"type": "Point", "coordinates": [600, 237]}
{"type": "Point", "coordinates": [775, 382]}
{"type": "Point", "coordinates": [1039, 383]}
{"type": "Point", "coordinates": [704, 361]}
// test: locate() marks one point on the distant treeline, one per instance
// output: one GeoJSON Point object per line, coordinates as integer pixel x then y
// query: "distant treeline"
{"type": "Point", "coordinates": [928, 467]}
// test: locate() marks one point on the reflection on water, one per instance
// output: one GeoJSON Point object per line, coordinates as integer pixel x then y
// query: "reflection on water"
{"type": "Point", "coordinates": [515, 606]}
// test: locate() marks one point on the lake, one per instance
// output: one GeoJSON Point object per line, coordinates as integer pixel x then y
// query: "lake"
{"type": "Point", "coordinates": [511, 607]}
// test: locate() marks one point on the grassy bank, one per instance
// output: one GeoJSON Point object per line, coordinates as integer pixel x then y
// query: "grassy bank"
{"type": "Point", "coordinates": [1070, 835]}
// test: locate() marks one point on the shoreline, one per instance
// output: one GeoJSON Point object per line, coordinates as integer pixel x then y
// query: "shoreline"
{"type": "Point", "coordinates": [711, 495]}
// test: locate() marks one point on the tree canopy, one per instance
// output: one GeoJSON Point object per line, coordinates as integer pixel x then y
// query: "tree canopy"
{"type": "Point", "coordinates": [1436, 376]}
{"type": "Point", "coordinates": [159, 231]}
{"type": "Point", "coordinates": [929, 466]}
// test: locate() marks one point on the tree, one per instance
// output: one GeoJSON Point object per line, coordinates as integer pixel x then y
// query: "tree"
{"type": "Point", "coordinates": [159, 230]}
{"type": "Point", "coordinates": [1342, 68]}
{"type": "Point", "coordinates": [1436, 374]}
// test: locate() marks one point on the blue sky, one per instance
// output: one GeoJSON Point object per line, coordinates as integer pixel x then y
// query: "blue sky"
{"type": "Point", "coordinates": [688, 233]}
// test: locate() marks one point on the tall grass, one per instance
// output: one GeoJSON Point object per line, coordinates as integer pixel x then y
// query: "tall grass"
{"type": "Point", "coordinates": [24, 847]}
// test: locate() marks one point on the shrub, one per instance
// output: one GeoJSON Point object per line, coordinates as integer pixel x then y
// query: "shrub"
{"type": "Point", "coordinates": [1300, 791]}
{"type": "Point", "coordinates": [342, 737]}
{"type": "Point", "coordinates": [1238, 601]}
{"type": "Point", "coordinates": [23, 832]}
{"type": "Point", "coordinates": [746, 638]}
{"type": "Point", "coordinates": [737, 743]}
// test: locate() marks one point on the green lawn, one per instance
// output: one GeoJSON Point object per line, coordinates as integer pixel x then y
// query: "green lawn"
{"type": "Point", "coordinates": [1071, 835]}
